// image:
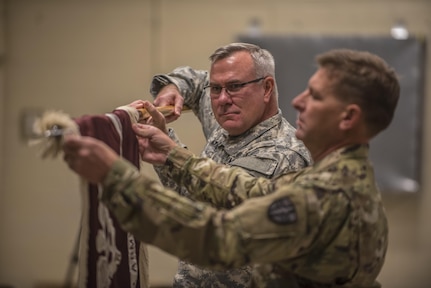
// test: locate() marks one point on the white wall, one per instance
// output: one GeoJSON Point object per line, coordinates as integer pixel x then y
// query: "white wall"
{"type": "Point", "coordinates": [86, 56]}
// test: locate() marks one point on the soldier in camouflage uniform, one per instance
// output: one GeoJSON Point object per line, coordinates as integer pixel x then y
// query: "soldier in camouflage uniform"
{"type": "Point", "coordinates": [324, 226]}
{"type": "Point", "coordinates": [243, 126]}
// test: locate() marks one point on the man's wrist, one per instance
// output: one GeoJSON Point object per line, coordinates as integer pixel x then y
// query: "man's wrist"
{"type": "Point", "coordinates": [178, 157]}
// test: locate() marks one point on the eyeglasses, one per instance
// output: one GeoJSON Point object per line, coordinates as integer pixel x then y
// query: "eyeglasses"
{"type": "Point", "coordinates": [231, 88]}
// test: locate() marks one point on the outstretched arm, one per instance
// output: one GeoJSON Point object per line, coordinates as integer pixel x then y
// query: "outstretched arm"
{"type": "Point", "coordinates": [191, 230]}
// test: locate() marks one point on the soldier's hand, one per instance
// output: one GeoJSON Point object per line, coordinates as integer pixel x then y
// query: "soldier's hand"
{"type": "Point", "coordinates": [169, 95]}
{"type": "Point", "coordinates": [156, 119]}
{"type": "Point", "coordinates": [154, 144]}
{"type": "Point", "coordinates": [88, 157]}
{"type": "Point", "coordinates": [137, 104]}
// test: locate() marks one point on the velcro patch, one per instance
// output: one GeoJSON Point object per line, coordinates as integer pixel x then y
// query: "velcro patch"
{"type": "Point", "coordinates": [282, 211]}
{"type": "Point", "coordinates": [260, 165]}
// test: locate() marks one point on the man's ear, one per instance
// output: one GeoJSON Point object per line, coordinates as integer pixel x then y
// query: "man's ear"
{"type": "Point", "coordinates": [269, 87]}
{"type": "Point", "coordinates": [350, 117]}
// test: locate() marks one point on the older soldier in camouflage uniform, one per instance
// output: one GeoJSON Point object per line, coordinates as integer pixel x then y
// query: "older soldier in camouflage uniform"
{"type": "Point", "coordinates": [237, 105]}
{"type": "Point", "coordinates": [324, 226]}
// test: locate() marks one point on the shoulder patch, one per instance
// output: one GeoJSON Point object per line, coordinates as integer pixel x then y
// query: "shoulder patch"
{"type": "Point", "coordinates": [282, 211]}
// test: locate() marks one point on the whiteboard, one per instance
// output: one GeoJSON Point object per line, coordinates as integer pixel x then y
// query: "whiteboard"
{"type": "Point", "coordinates": [395, 152]}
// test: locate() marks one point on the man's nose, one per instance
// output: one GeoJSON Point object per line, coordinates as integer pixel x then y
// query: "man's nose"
{"type": "Point", "coordinates": [299, 100]}
{"type": "Point", "coordinates": [224, 95]}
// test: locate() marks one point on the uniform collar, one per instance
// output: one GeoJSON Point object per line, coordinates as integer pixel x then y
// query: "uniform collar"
{"type": "Point", "coordinates": [352, 151]}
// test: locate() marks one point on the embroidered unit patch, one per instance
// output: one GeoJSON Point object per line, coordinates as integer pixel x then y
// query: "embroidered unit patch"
{"type": "Point", "coordinates": [282, 211]}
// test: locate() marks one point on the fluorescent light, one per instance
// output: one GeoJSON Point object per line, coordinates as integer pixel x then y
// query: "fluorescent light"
{"type": "Point", "coordinates": [399, 31]}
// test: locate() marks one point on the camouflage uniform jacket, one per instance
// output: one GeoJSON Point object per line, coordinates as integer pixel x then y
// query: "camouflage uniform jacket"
{"type": "Point", "coordinates": [324, 226]}
{"type": "Point", "coordinates": [265, 150]}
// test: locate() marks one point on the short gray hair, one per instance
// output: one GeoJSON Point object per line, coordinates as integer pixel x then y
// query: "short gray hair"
{"type": "Point", "coordinates": [263, 60]}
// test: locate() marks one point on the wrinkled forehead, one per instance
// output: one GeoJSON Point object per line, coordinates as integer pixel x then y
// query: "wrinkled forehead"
{"type": "Point", "coordinates": [237, 66]}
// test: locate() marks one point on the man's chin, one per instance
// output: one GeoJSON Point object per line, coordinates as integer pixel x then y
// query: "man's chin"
{"type": "Point", "coordinates": [299, 135]}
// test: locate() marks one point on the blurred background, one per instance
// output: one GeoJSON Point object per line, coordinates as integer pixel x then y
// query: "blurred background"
{"type": "Point", "coordinates": [90, 56]}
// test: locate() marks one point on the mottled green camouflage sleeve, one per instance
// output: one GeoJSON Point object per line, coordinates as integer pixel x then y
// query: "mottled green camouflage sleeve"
{"type": "Point", "coordinates": [193, 231]}
{"type": "Point", "coordinates": [203, 177]}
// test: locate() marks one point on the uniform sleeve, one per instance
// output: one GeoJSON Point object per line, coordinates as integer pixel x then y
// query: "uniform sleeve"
{"type": "Point", "coordinates": [162, 171]}
{"type": "Point", "coordinates": [190, 83]}
{"type": "Point", "coordinates": [208, 181]}
{"type": "Point", "coordinates": [263, 230]}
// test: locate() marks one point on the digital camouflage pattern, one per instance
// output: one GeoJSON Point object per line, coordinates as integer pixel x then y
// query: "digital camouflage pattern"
{"type": "Point", "coordinates": [324, 226]}
{"type": "Point", "coordinates": [266, 150]}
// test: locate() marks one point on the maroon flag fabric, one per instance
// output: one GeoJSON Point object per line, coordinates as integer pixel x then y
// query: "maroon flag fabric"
{"type": "Point", "coordinates": [109, 257]}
